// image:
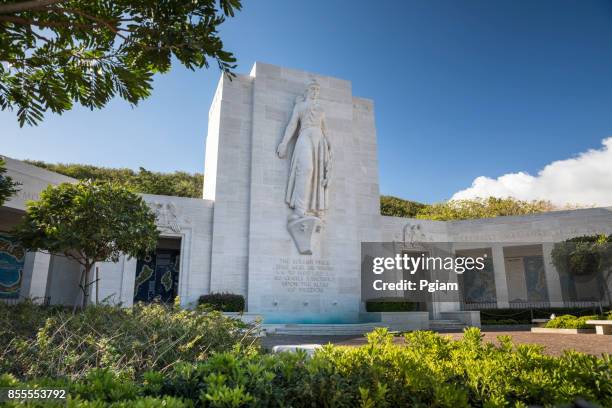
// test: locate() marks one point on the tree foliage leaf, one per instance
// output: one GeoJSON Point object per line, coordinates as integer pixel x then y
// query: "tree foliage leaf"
{"type": "Point", "coordinates": [54, 54]}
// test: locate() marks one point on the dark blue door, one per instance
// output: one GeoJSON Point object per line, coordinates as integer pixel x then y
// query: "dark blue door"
{"type": "Point", "coordinates": [157, 276]}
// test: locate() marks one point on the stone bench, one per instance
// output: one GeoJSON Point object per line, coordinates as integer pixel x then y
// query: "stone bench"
{"type": "Point", "coordinates": [540, 322]}
{"type": "Point", "coordinates": [292, 348]}
{"type": "Point", "coordinates": [601, 326]}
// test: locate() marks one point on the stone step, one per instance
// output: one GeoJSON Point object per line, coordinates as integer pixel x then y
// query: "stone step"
{"type": "Point", "coordinates": [350, 329]}
{"type": "Point", "coordinates": [312, 332]}
{"type": "Point", "coordinates": [323, 329]}
{"type": "Point", "coordinates": [435, 324]}
{"type": "Point", "coordinates": [444, 321]}
{"type": "Point", "coordinates": [443, 325]}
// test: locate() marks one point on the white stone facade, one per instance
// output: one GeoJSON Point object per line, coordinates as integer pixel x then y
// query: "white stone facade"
{"type": "Point", "coordinates": [36, 280]}
{"type": "Point", "coordinates": [235, 239]}
{"type": "Point", "coordinates": [324, 286]}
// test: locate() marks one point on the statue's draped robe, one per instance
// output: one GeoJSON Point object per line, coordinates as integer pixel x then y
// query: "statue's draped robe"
{"type": "Point", "coordinates": [310, 163]}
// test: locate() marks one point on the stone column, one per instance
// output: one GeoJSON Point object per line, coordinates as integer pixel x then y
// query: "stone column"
{"type": "Point", "coordinates": [501, 284]}
{"type": "Point", "coordinates": [35, 276]}
{"type": "Point", "coordinates": [553, 281]}
{"type": "Point", "coordinates": [128, 281]}
{"type": "Point", "coordinates": [441, 303]}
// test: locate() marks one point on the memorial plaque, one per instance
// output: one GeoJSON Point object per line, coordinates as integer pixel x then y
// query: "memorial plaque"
{"type": "Point", "coordinates": [304, 275]}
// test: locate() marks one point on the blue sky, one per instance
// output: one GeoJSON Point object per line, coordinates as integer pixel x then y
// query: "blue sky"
{"type": "Point", "coordinates": [461, 89]}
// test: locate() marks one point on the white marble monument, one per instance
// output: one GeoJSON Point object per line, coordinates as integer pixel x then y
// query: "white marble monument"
{"type": "Point", "coordinates": [286, 233]}
{"type": "Point", "coordinates": [290, 192]}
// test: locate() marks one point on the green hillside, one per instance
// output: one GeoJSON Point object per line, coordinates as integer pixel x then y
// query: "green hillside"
{"type": "Point", "coordinates": [183, 184]}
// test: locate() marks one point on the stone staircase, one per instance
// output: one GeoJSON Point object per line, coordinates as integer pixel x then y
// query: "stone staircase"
{"type": "Point", "coordinates": [446, 325]}
{"type": "Point", "coordinates": [353, 329]}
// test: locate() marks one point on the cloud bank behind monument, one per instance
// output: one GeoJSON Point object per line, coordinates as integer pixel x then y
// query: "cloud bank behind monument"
{"type": "Point", "coordinates": [585, 180]}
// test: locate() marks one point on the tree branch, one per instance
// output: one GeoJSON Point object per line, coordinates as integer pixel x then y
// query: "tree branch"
{"type": "Point", "coordinates": [110, 58]}
{"type": "Point", "coordinates": [40, 37]}
{"type": "Point", "coordinates": [26, 6]}
{"type": "Point", "coordinates": [37, 23]}
{"type": "Point", "coordinates": [74, 258]}
{"type": "Point", "coordinates": [99, 20]}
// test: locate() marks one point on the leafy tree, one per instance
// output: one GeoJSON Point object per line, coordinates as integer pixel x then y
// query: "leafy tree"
{"type": "Point", "coordinates": [397, 207]}
{"type": "Point", "coordinates": [54, 53]}
{"type": "Point", "coordinates": [584, 256]}
{"type": "Point", "coordinates": [88, 222]}
{"type": "Point", "coordinates": [482, 208]}
{"type": "Point", "coordinates": [179, 183]}
{"type": "Point", "coordinates": [7, 186]}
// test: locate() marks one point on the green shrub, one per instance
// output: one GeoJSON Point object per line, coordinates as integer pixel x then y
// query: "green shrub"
{"type": "Point", "coordinates": [483, 208]}
{"type": "Point", "coordinates": [179, 183]}
{"type": "Point", "coordinates": [398, 207]}
{"type": "Point", "coordinates": [570, 322]}
{"type": "Point", "coordinates": [390, 306]}
{"type": "Point", "coordinates": [132, 341]}
{"type": "Point", "coordinates": [223, 302]}
{"type": "Point", "coordinates": [431, 370]}
{"type": "Point", "coordinates": [23, 319]}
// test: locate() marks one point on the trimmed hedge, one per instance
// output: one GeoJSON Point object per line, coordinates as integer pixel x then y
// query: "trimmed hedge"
{"type": "Point", "coordinates": [391, 306]}
{"type": "Point", "coordinates": [569, 322]}
{"type": "Point", "coordinates": [500, 322]}
{"type": "Point", "coordinates": [523, 316]}
{"type": "Point", "coordinates": [573, 322]}
{"type": "Point", "coordinates": [430, 370]}
{"type": "Point", "coordinates": [223, 302]}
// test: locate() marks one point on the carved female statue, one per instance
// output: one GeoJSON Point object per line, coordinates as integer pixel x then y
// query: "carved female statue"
{"type": "Point", "coordinates": [311, 161]}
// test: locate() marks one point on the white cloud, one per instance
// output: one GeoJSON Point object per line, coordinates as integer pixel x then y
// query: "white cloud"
{"type": "Point", "coordinates": [585, 179]}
